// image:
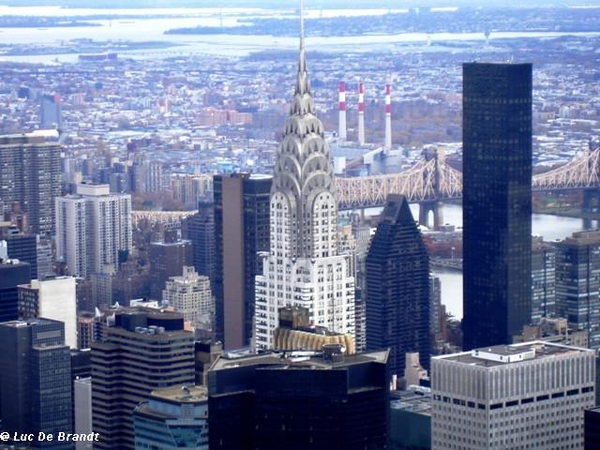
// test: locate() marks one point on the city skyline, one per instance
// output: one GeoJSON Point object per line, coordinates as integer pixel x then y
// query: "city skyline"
{"type": "Point", "coordinates": [306, 326]}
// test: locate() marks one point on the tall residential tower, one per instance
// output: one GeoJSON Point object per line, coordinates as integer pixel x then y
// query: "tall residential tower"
{"type": "Point", "coordinates": [303, 267]}
{"type": "Point", "coordinates": [497, 102]}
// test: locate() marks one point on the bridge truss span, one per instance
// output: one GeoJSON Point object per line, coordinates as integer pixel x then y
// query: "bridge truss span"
{"type": "Point", "coordinates": [582, 172]}
{"type": "Point", "coordinates": [428, 180]}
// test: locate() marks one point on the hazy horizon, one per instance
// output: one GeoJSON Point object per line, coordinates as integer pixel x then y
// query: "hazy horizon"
{"type": "Point", "coordinates": [321, 4]}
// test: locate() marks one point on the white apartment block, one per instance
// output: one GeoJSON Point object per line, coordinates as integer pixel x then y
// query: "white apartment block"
{"type": "Point", "coordinates": [190, 294]}
{"type": "Point", "coordinates": [304, 266]}
{"type": "Point", "coordinates": [92, 227]}
{"type": "Point", "coordinates": [522, 396]}
{"type": "Point", "coordinates": [53, 298]}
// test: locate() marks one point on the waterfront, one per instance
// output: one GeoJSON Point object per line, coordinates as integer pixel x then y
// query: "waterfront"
{"type": "Point", "coordinates": [552, 228]}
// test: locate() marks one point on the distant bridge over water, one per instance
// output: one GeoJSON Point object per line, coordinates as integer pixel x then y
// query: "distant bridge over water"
{"type": "Point", "coordinates": [432, 180]}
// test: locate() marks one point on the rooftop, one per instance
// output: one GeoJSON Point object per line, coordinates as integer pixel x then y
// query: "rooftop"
{"type": "Point", "coordinates": [299, 360]}
{"type": "Point", "coordinates": [182, 394]}
{"type": "Point", "coordinates": [507, 354]}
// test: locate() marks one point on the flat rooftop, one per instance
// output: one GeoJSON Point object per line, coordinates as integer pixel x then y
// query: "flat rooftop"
{"type": "Point", "coordinates": [514, 353]}
{"type": "Point", "coordinates": [298, 360]}
{"type": "Point", "coordinates": [182, 394]}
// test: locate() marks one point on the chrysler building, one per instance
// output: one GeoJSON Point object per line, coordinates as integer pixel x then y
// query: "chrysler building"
{"type": "Point", "coordinates": [303, 267]}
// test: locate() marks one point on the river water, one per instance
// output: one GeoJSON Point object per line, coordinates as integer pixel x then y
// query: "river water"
{"type": "Point", "coordinates": [144, 25]}
{"type": "Point", "coordinates": [551, 228]}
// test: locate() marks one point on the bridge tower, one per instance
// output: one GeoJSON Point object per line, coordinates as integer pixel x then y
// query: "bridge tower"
{"type": "Point", "coordinates": [591, 196]}
{"type": "Point", "coordinates": [432, 205]}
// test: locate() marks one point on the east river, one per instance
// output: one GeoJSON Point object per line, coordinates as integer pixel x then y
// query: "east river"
{"type": "Point", "coordinates": [551, 228]}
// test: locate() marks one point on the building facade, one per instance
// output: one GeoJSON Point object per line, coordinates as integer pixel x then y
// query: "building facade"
{"type": "Point", "coordinates": [35, 380]}
{"type": "Point", "coordinates": [30, 177]}
{"type": "Point", "coordinates": [52, 298]}
{"type": "Point", "coordinates": [190, 295]}
{"type": "Point", "coordinates": [304, 266]}
{"type": "Point", "coordinates": [543, 278]}
{"type": "Point", "coordinates": [276, 401]}
{"type": "Point", "coordinates": [23, 247]}
{"type": "Point", "coordinates": [530, 395]}
{"type": "Point", "coordinates": [168, 259]}
{"type": "Point", "coordinates": [497, 135]}
{"type": "Point", "coordinates": [173, 418]}
{"type": "Point", "coordinates": [200, 229]}
{"type": "Point", "coordinates": [578, 283]}
{"type": "Point", "coordinates": [92, 227]}
{"type": "Point", "coordinates": [12, 273]}
{"type": "Point", "coordinates": [143, 351]}
{"type": "Point", "coordinates": [241, 218]}
{"type": "Point", "coordinates": [592, 429]}
{"type": "Point", "coordinates": [397, 287]}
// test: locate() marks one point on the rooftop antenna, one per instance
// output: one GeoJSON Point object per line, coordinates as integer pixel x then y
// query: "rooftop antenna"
{"type": "Point", "coordinates": [302, 24]}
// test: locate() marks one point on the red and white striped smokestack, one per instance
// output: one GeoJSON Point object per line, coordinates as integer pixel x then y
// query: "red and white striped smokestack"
{"type": "Point", "coordinates": [342, 119]}
{"type": "Point", "coordinates": [388, 117]}
{"type": "Point", "coordinates": [361, 114]}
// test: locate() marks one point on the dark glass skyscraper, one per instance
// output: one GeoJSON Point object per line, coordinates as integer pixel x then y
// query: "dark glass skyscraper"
{"type": "Point", "coordinates": [35, 380]}
{"type": "Point", "coordinates": [12, 273]}
{"type": "Point", "coordinates": [241, 230]}
{"type": "Point", "coordinates": [397, 287]}
{"type": "Point", "coordinates": [200, 229]}
{"type": "Point", "coordinates": [497, 101]}
{"type": "Point", "coordinates": [578, 283]}
{"type": "Point", "coordinates": [274, 402]}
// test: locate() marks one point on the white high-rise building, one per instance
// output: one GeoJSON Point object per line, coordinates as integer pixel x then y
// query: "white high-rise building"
{"type": "Point", "coordinates": [92, 227]}
{"type": "Point", "coordinates": [303, 266]}
{"type": "Point", "coordinates": [520, 396]}
{"type": "Point", "coordinates": [53, 298]}
{"type": "Point", "coordinates": [190, 295]}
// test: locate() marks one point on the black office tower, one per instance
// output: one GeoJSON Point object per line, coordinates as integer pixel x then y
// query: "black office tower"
{"type": "Point", "coordinates": [497, 102]}
{"type": "Point", "coordinates": [397, 287]}
{"type": "Point", "coordinates": [35, 380]}
{"type": "Point", "coordinates": [12, 273]}
{"type": "Point", "coordinates": [200, 229]}
{"type": "Point", "coordinates": [275, 401]}
{"type": "Point", "coordinates": [241, 231]}
{"type": "Point", "coordinates": [592, 429]}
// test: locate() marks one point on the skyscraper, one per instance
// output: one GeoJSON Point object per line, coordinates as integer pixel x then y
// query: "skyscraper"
{"type": "Point", "coordinates": [397, 287]}
{"type": "Point", "coordinates": [530, 395]}
{"type": "Point", "coordinates": [12, 273]}
{"type": "Point", "coordinates": [50, 111]}
{"type": "Point", "coordinates": [578, 283]}
{"type": "Point", "coordinates": [304, 267]}
{"type": "Point", "coordinates": [543, 279]}
{"type": "Point", "coordinates": [92, 227]}
{"type": "Point", "coordinates": [35, 379]}
{"type": "Point", "coordinates": [241, 223]}
{"type": "Point", "coordinates": [23, 247]}
{"type": "Point", "coordinates": [190, 295]}
{"type": "Point", "coordinates": [53, 298]}
{"type": "Point", "coordinates": [30, 177]}
{"type": "Point", "coordinates": [144, 350]}
{"type": "Point", "coordinates": [497, 102]}
{"type": "Point", "coordinates": [274, 402]}
{"type": "Point", "coordinates": [168, 259]}
{"type": "Point", "coordinates": [200, 229]}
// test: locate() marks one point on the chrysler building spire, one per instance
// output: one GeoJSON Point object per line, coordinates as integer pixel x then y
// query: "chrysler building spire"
{"type": "Point", "coordinates": [303, 267]}
{"type": "Point", "coordinates": [303, 184]}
